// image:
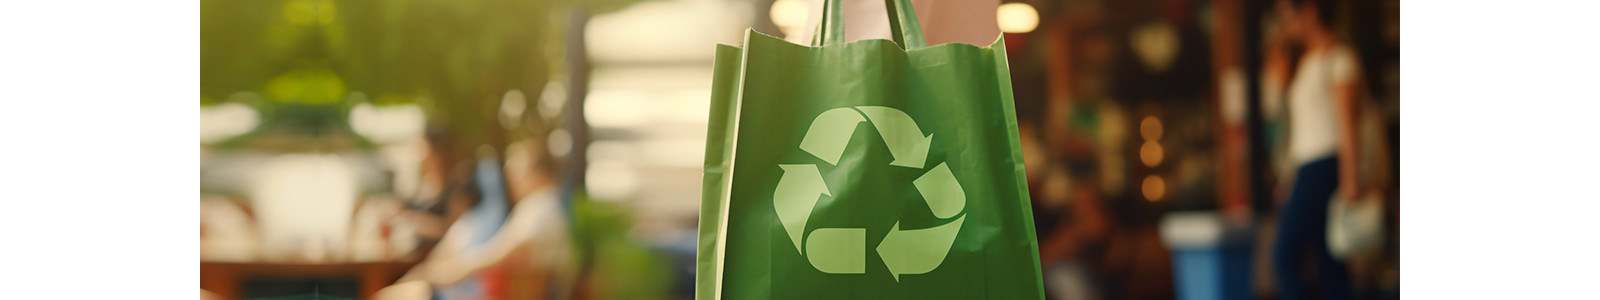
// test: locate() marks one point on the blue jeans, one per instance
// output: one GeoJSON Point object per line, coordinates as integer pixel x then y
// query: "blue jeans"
{"type": "Point", "coordinates": [1302, 227]}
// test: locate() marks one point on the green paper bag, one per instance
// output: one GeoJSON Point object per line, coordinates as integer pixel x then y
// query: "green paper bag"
{"type": "Point", "coordinates": [864, 171]}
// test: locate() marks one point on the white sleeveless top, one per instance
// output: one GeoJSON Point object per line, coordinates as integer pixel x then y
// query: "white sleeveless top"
{"type": "Point", "coordinates": [1313, 116]}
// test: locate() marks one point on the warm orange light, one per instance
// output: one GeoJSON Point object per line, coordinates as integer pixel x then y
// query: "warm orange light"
{"type": "Point", "coordinates": [1150, 128]}
{"type": "Point", "coordinates": [1154, 188]}
{"type": "Point", "coordinates": [1151, 153]}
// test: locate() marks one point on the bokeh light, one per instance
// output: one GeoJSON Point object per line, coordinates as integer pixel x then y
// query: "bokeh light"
{"type": "Point", "coordinates": [1151, 153]}
{"type": "Point", "coordinates": [1150, 128]}
{"type": "Point", "coordinates": [1154, 188]}
{"type": "Point", "coordinates": [1017, 17]}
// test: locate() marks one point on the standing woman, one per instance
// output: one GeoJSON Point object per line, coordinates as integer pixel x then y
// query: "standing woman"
{"type": "Point", "coordinates": [1322, 99]}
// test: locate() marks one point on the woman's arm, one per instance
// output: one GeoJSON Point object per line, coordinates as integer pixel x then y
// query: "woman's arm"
{"type": "Point", "coordinates": [1347, 101]}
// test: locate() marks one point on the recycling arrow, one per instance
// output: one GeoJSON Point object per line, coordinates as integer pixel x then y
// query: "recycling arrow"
{"type": "Point", "coordinates": [942, 192]}
{"type": "Point", "coordinates": [830, 132]}
{"type": "Point", "coordinates": [842, 250]}
{"type": "Point", "coordinates": [921, 250]}
{"type": "Point", "coordinates": [906, 143]}
{"type": "Point", "coordinates": [794, 199]}
{"type": "Point", "coordinates": [917, 251]}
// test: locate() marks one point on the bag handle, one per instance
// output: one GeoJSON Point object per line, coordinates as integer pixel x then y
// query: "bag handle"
{"type": "Point", "coordinates": [903, 25]}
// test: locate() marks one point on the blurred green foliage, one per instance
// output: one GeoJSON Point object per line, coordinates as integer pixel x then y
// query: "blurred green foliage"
{"type": "Point", "coordinates": [623, 268]}
{"type": "Point", "coordinates": [455, 58]}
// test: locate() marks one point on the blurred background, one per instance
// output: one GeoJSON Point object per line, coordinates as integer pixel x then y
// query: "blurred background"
{"type": "Point", "coordinates": [534, 149]}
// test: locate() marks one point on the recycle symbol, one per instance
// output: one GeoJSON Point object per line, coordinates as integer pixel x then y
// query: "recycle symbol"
{"type": "Point", "coordinates": [843, 250]}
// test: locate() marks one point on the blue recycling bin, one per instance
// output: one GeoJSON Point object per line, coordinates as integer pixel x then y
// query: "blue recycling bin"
{"type": "Point", "coordinates": [1211, 257]}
